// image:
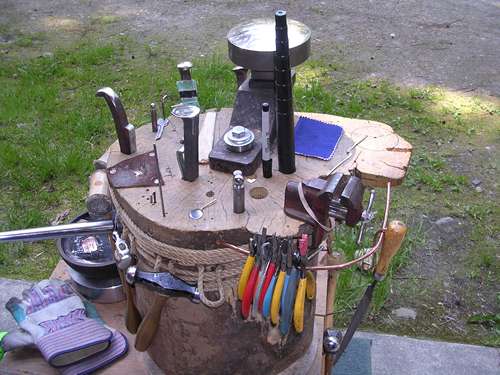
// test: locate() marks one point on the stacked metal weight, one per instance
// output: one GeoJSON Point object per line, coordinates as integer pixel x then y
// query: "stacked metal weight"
{"type": "Point", "coordinates": [284, 98]}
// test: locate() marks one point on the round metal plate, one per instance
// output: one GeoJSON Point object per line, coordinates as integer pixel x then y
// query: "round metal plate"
{"type": "Point", "coordinates": [252, 44]}
{"type": "Point", "coordinates": [108, 290]}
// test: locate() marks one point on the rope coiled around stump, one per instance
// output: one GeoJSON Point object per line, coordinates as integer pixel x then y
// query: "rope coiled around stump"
{"type": "Point", "coordinates": [212, 270]}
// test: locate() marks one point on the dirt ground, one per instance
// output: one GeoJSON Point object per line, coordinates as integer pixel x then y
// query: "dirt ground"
{"type": "Point", "coordinates": [454, 44]}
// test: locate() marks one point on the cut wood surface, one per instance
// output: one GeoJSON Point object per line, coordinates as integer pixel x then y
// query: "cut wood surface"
{"type": "Point", "coordinates": [383, 156]}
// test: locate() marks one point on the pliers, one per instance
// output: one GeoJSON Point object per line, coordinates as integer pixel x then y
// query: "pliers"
{"type": "Point", "coordinates": [247, 268]}
{"type": "Point", "coordinates": [289, 290]}
{"type": "Point", "coordinates": [298, 308]}
{"type": "Point", "coordinates": [265, 261]}
{"type": "Point", "coordinates": [268, 286]}
{"type": "Point", "coordinates": [252, 279]}
{"type": "Point", "coordinates": [280, 281]}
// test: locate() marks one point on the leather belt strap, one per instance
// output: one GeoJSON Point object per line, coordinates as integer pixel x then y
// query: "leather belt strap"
{"type": "Point", "coordinates": [309, 210]}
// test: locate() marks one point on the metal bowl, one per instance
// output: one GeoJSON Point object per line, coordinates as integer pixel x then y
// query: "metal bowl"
{"type": "Point", "coordinates": [91, 255]}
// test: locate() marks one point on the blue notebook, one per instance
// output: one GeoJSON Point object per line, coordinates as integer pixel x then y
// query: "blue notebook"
{"type": "Point", "coordinates": [315, 138]}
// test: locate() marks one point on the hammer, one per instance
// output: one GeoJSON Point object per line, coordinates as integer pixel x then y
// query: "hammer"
{"type": "Point", "coordinates": [165, 284]}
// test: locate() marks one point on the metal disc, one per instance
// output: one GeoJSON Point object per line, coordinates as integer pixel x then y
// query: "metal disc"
{"type": "Point", "coordinates": [252, 44]}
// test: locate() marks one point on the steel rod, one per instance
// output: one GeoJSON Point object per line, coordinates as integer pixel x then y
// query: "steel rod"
{"type": "Point", "coordinates": [159, 180]}
{"type": "Point", "coordinates": [57, 231]}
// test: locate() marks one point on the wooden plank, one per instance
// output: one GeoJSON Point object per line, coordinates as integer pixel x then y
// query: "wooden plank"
{"type": "Point", "coordinates": [206, 137]}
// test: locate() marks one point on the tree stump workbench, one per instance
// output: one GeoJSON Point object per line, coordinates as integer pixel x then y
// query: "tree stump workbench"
{"type": "Point", "coordinates": [198, 336]}
{"type": "Point", "coordinates": [193, 338]}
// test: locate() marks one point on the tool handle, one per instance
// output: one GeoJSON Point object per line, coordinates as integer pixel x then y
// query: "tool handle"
{"type": "Point", "coordinates": [266, 306]}
{"type": "Point", "coordinates": [276, 301]}
{"type": "Point", "coordinates": [212, 202]}
{"type": "Point", "coordinates": [258, 290]}
{"type": "Point", "coordinates": [245, 274]}
{"type": "Point", "coordinates": [310, 285]}
{"type": "Point", "coordinates": [394, 236]}
{"type": "Point", "coordinates": [132, 316]}
{"type": "Point", "coordinates": [249, 292]}
{"type": "Point", "coordinates": [149, 325]}
{"type": "Point", "coordinates": [298, 307]}
{"type": "Point", "coordinates": [267, 281]}
{"type": "Point", "coordinates": [285, 287]}
{"type": "Point", "coordinates": [287, 304]}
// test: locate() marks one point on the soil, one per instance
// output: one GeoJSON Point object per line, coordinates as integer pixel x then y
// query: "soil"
{"type": "Point", "coordinates": [451, 43]}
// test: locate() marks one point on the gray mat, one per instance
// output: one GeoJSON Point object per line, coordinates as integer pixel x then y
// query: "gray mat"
{"type": "Point", "coordinates": [357, 359]}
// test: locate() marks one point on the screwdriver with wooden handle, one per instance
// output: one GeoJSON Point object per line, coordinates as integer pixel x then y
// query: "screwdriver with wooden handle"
{"type": "Point", "coordinates": [393, 239]}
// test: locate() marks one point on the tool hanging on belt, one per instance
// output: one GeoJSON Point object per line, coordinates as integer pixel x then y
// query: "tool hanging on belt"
{"type": "Point", "coordinates": [289, 290]}
{"type": "Point", "coordinates": [252, 279]}
{"type": "Point", "coordinates": [393, 239]}
{"type": "Point", "coordinates": [162, 282]}
{"type": "Point", "coordinates": [265, 260]}
{"type": "Point", "coordinates": [298, 307]}
{"type": "Point", "coordinates": [266, 305]}
{"type": "Point", "coordinates": [271, 272]}
{"type": "Point", "coordinates": [248, 267]}
{"type": "Point", "coordinates": [280, 282]}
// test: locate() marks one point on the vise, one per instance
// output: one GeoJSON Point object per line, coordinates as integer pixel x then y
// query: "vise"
{"type": "Point", "coordinates": [339, 197]}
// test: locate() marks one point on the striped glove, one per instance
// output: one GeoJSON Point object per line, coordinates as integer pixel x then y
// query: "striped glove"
{"type": "Point", "coordinates": [54, 319]}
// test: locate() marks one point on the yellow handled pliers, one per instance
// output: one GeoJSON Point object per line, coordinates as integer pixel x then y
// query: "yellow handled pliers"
{"type": "Point", "coordinates": [247, 268]}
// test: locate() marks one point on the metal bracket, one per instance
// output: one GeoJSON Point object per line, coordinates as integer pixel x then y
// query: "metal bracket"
{"type": "Point", "coordinates": [139, 171]}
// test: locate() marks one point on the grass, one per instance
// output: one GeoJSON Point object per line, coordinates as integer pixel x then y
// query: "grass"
{"type": "Point", "coordinates": [52, 127]}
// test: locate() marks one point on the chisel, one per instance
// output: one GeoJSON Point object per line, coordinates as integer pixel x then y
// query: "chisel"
{"type": "Point", "coordinates": [393, 238]}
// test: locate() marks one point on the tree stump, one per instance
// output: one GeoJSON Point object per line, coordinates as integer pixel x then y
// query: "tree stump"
{"type": "Point", "coordinates": [193, 338]}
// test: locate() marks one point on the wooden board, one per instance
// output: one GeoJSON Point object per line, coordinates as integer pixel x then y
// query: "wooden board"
{"type": "Point", "coordinates": [383, 156]}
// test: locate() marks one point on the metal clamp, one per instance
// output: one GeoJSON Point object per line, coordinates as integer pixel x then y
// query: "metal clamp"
{"type": "Point", "coordinates": [366, 216]}
{"type": "Point", "coordinates": [122, 252]}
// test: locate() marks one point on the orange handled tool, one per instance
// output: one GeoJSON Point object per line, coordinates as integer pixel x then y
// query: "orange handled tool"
{"type": "Point", "coordinates": [394, 236]}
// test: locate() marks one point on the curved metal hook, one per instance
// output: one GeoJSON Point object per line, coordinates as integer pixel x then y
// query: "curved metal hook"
{"type": "Point", "coordinates": [124, 130]}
